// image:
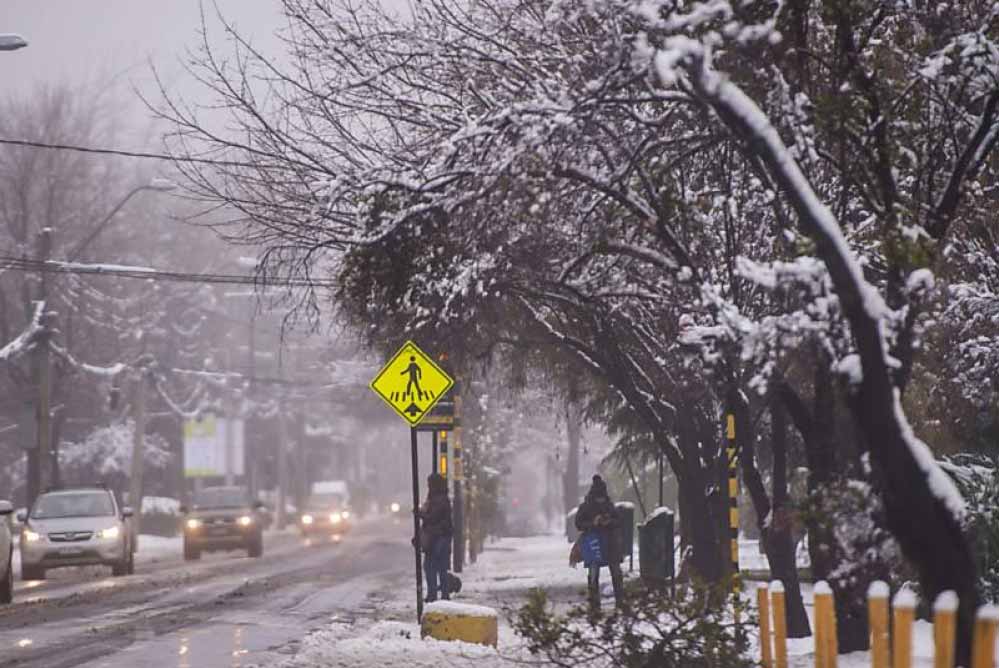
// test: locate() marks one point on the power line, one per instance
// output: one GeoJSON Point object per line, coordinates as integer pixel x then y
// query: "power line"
{"type": "Point", "coordinates": [147, 274]}
{"type": "Point", "coordinates": [127, 154]}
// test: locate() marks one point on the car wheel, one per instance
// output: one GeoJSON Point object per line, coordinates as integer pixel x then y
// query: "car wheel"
{"type": "Point", "coordinates": [7, 584]}
{"type": "Point", "coordinates": [32, 572]}
{"type": "Point", "coordinates": [256, 547]}
{"type": "Point", "coordinates": [191, 553]}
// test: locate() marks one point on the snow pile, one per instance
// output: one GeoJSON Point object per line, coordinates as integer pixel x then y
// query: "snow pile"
{"type": "Point", "coordinates": [388, 644]}
{"type": "Point", "coordinates": [459, 609]}
{"type": "Point", "coordinates": [160, 504]}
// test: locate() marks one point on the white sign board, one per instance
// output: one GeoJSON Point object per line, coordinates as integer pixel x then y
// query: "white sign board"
{"type": "Point", "coordinates": [205, 447]}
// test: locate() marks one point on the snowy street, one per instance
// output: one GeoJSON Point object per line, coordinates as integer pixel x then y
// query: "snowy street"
{"type": "Point", "coordinates": [225, 610]}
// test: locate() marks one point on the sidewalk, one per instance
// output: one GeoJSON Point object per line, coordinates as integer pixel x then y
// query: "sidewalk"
{"type": "Point", "coordinates": [389, 637]}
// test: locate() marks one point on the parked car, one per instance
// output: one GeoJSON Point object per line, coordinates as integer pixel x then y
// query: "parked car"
{"type": "Point", "coordinates": [223, 518]}
{"type": "Point", "coordinates": [6, 554]}
{"type": "Point", "coordinates": [78, 526]}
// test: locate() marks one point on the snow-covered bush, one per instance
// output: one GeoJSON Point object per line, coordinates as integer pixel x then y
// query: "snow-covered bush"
{"type": "Point", "coordinates": [688, 631]}
{"type": "Point", "coordinates": [977, 477]}
{"type": "Point", "coordinates": [105, 454]}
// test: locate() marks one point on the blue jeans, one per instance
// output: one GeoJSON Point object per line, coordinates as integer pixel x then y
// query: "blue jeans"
{"type": "Point", "coordinates": [435, 567]}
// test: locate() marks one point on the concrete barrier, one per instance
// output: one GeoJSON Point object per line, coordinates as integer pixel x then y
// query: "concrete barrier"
{"type": "Point", "coordinates": [448, 620]}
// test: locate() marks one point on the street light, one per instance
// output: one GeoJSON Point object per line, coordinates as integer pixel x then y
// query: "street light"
{"type": "Point", "coordinates": [12, 42]}
{"type": "Point", "coordinates": [156, 185]}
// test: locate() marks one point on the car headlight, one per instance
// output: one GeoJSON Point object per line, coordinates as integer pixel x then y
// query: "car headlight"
{"type": "Point", "coordinates": [335, 518]}
{"type": "Point", "coordinates": [306, 519]}
{"type": "Point", "coordinates": [30, 536]}
{"type": "Point", "coordinates": [193, 524]}
{"type": "Point", "coordinates": [245, 521]}
{"type": "Point", "coordinates": [395, 507]}
{"type": "Point", "coordinates": [109, 533]}
{"type": "Point", "coordinates": [346, 514]}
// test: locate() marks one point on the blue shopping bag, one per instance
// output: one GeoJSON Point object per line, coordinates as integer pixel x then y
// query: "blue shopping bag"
{"type": "Point", "coordinates": [592, 546]}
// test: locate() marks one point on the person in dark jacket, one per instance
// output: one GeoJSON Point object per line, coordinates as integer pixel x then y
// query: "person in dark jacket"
{"type": "Point", "coordinates": [597, 513]}
{"type": "Point", "coordinates": [435, 536]}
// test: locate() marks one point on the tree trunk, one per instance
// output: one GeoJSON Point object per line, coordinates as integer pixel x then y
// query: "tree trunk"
{"type": "Point", "coordinates": [701, 523]}
{"type": "Point", "coordinates": [779, 542]}
{"type": "Point", "coordinates": [774, 520]}
{"type": "Point", "coordinates": [573, 429]}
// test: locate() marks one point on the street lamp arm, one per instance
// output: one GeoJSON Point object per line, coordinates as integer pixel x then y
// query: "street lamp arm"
{"type": "Point", "coordinates": [156, 184]}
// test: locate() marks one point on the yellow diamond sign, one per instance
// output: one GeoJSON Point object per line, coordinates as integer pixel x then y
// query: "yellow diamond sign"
{"type": "Point", "coordinates": [411, 383]}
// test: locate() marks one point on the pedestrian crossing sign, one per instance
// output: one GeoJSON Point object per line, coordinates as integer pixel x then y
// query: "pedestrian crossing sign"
{"type": "Point", "coordinates": [411, 383]}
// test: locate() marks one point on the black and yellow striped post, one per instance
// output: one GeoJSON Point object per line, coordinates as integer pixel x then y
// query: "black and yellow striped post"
{"type": "Point", "coordinates": [733, 499]}
{"type": "Point", "coordinates": [442, 466]}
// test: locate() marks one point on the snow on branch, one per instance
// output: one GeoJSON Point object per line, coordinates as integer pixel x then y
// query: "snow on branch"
{"type": "Point", "coordinates": [23, 341]}
{"type": "Point", "coordinates": [106, 371]}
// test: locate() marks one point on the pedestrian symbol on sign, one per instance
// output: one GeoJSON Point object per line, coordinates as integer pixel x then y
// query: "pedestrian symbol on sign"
{"type": "Point", "coordinates": [411, 383]}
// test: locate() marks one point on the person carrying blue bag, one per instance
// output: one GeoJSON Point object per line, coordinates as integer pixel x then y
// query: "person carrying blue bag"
{"type": "Point", "coordinates": [598, 521]}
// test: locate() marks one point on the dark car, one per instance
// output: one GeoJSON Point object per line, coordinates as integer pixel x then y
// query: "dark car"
{"type": "Point", "coordinates": [223, 518]}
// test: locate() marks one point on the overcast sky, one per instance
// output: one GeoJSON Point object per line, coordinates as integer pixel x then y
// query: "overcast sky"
{"type": "Point", "coordinates": [96, 40]}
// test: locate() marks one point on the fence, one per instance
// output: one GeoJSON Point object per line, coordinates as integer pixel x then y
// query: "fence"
{"type": "Point", "coordinates": [897, 654]}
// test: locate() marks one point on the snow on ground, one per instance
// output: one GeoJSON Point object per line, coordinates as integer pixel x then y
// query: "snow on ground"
{"type": "Point", "coordinates": [503, 575]}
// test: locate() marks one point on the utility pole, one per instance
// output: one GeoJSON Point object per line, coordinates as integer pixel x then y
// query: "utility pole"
{"type": "Point", "coordinates": [230, 435]}
{"type": "Point", "coordinates": [138, 448]}
{"type": "Point", "coordinates": [282, 464]}
{"type": "Point", "coordinates": [39, 457]}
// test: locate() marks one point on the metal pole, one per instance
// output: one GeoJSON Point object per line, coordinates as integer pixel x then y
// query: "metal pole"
{"type": "Point", "coordinates": [458, 551]}
{"type": "Point", "coordinates": [416, 525]}
{"type": "Point", "coordinates": [433, 459]}
{"type": "Point", "coordinates": [138, 452]}
{"type": "Point", "coordinates": [659, 463]}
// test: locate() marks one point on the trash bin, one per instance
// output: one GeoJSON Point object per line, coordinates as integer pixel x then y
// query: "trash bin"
{"type": "Point", "coordinates": [626, 521]}
{"type": "Point", "coordinates": [655, 547]}
{"type": "Point", "coordinates": [571, 532]}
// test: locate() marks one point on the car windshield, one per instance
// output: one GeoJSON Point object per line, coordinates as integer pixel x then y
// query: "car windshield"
{"type": "Point", "coordinates": [83, 504]}
{"type": "Point", "coordinates": [325, 502]}
{"type": "Point", "coordinates": [221, 497]}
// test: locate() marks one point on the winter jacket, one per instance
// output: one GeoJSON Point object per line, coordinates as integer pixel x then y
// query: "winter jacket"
{"type": "Point", "coordinates": [436, 516]}
{"type": "Point", "coordinates": [599, 514]}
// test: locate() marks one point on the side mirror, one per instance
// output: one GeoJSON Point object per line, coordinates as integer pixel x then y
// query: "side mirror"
{"type": "Point", "coordinates": [182, 509]}
{"type": "Point", "coordinates": [22, 517]}
{"type": "Point", "coordinates": [6, 508]}
{"type": "Point", "coordinates": [127, 512]}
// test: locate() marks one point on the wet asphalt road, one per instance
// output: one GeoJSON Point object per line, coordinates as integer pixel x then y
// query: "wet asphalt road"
{"type": "Point", "coordinates": [226, 610]}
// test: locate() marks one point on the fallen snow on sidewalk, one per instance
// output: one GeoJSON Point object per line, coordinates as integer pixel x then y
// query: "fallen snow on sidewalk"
{"type": "Point", "coordinates": [505, 571]}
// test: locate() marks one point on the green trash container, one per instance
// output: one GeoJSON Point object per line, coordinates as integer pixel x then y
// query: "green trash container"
{"type": "Point", "coordinates": [655, 548]}
{"type": "Point", "coordinates": [626, 522]}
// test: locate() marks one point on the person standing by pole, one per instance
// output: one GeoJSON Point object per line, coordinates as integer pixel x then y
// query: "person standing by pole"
{"type": "Point", "coordinates": [597, 514]}
{"type": "Point", "coordinates": [435, 537]}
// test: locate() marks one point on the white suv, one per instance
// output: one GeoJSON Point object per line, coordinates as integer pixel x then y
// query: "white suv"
{"type": "Point", "coordinates": [6, 555]}
{"type": "Point", "coordinates": [76, 527]}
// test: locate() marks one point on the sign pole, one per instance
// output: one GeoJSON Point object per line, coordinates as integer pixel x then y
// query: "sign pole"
{"type": "Point", "coordinates": [416, 524]}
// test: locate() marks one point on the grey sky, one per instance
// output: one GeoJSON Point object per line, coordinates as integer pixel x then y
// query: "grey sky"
{"type": "Point", "coordinates": [80, 39]}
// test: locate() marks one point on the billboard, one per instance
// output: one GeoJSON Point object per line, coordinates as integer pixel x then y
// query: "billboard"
{"type": "Point", "coordinates": [205, 444]}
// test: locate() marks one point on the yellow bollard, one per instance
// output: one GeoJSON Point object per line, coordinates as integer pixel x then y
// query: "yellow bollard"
{"type": "Point", "coordinates": [823, 603]}
{"type": "Point", "coordinates": [780, 623]}
{"type": "Point", "coordinates": [983, 647]}
{"type": "Point", "coordinates": [763, 606]}
{"type": "Point", "coordinates": [944, 629]}
{"type": "Point", "coordinates": [902, 615]}
{"type": "Point", "coordinates": [877, 614]}
{"type": "Point", "coordinates": [832, 637]}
